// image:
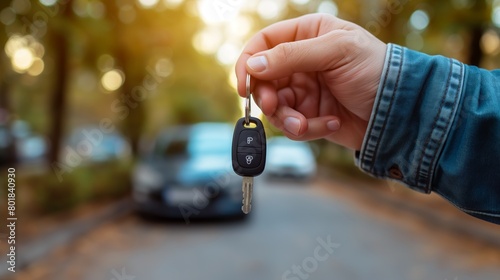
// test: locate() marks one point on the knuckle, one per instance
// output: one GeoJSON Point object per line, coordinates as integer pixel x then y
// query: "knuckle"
{"type": "Point", "coordinates": [284, 51]}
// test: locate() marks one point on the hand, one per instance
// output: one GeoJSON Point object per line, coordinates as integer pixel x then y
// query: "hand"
{"type": "Point", "coordinates": [314, 77]}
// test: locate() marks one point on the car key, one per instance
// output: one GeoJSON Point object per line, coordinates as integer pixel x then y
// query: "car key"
{"type": "Point", "coordinates": [248, 151]}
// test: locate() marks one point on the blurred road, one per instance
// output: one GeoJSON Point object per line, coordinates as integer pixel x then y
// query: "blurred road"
{"type": "Point", "coordinates": [295, 232]}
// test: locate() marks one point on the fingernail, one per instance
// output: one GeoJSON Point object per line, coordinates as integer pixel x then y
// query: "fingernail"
{"type": "Point", "coordinates": [258, 63]}
{"type": "Point", "coordinates": [292, 125]}
{"type": "Point", "coordinates": [333, 125]}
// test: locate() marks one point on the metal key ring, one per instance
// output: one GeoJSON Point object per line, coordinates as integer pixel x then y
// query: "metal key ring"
{"type": "Point", "coordinates": [248, 101]}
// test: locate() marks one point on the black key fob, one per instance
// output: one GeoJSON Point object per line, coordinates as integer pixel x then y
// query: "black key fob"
{"type": "Point", "coordinates": [249, 148]}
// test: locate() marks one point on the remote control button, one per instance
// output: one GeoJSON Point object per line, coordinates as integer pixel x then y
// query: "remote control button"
{"type": "Point", "coordinates": [247, 160]}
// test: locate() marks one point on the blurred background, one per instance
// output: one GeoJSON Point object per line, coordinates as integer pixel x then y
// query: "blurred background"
{"type": "Point", "coordinates": [105, 111]}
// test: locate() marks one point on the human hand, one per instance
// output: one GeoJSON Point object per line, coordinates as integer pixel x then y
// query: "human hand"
{"type": "Point", "coordinates": [314, 77]}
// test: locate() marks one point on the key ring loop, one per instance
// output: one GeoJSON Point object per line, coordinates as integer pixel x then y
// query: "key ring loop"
{"type": "Point", "coordinates": [248, 101]}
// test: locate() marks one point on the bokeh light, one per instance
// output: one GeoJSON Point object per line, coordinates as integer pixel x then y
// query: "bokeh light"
{"type": "Point", "coordinates": [172, 4]}
{"type": "Point", "coordinates": [462, 4]}
{"type": "Point", "coordinates": [328, 7]}
{"type": "Point", "coordinates": [148, 3]}
{"type": "Point", "coordinates": [127, 14]}
{"type": "Point", "coordinates": [490, 43]}
{"type": "Point", "coordinates": [48, 2]}
{"type": "Point", "coordinates": [80, 8]}
{"type": "Point", "coordinates": [25, 54]}
{"type": "Point", "coordinates": [21, 7]}
{"type": "Point", "coordinates": [228, 53]}
{"type": "Point", "coordinates": [22, 59]}
{"type": "Point", "coordinates": [271, 9]}
{"type": "Point", "coordinates": [495, 16]}
{"type": "Point", "coordinates": [300, 2]}
{"type": "Point", "coordinates": [240, 27]}
{"type": "Point", "coordinates": [13, 44]}
{"type": "Point", "coordinates": [37, 67]}
{"type": "Point", "coordinates": [8, 16]}
{"type": "Point", "coordinates": [215, 12]}
{"type": "Point", "coordinates": [419, 20]}
{"type": "Point", "coordinates": [96, 9]}
{"type": "Point", "coordinates": [164, 67]}
{"type": "Point", "coordinates": [112, 80]}
{"type": "Point", "coordinates": [105, 62]}
{"type": "Point", "coordinates": [208, 40]}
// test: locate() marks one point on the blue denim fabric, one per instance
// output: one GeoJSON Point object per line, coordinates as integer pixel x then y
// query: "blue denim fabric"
{"type": "Point", "coordinates": [435, 126]}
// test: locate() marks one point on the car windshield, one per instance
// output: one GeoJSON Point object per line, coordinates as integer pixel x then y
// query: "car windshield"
{"type": "Point", "coordinates": [204, 139]}
{"type": "Point", "coordinates": [210, 139]}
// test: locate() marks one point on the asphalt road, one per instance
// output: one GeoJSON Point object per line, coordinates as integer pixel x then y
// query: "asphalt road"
{"type": "Point", "coordinates": [294, 232]}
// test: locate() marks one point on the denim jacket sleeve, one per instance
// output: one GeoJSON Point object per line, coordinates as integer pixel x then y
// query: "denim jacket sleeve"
{"type": "Point", "coordinates": [435, 126]}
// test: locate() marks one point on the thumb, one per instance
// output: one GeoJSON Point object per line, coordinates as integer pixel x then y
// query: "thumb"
{"type": "Point", "coordinates": [311, 55]}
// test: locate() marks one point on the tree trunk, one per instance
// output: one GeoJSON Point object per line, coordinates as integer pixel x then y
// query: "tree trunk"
{"type": "Point", "coordinates": [475, 51]}
{"type": "Point", "coordinates": [476, 31]}
{"type": "Point", "coordinates": [58, 101]}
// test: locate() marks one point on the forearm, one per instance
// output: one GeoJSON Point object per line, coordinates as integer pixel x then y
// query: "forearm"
{"type": "Point", "coordinates": [435, 126]}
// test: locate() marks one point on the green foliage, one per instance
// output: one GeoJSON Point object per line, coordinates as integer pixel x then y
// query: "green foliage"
{"type": "Point", "coordinates": [85, 183]}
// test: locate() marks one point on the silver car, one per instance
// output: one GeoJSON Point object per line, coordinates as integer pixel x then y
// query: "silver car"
{"type": "Point", "coordinates": [291, 159]}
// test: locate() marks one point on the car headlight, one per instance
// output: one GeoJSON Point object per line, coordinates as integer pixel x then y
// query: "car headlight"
{"type": "Point", "coordinates": [146, 178]}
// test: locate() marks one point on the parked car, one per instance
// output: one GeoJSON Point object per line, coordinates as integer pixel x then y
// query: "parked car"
{"type": "Point", "coordinates": [30, 147]}
{"type": "Point", "coordinates": [94, 145]}
{"type": "Point", "coordinates": [290, 159]}
{"type": "Point", "coordinates": [19, 144]}
{"type": "Point", "coordinates": [188, 175]}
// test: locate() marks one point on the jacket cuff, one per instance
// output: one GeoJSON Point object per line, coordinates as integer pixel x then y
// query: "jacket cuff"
{"type": "Point", "coordinates": [416, 103]}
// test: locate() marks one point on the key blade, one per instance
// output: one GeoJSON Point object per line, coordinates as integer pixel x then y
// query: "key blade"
{"type": "Point", "coordinates": [247, 188]}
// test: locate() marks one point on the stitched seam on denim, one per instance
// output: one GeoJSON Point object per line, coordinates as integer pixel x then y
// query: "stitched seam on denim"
{"type": "Point", "coordinates": [382, 86]}
{"type": "Point", "coordinates": [465, 209]}
{"type": "Point", "coordinates": [377, 144]}
{"type": "Point", "coordinates": [436, 118]}
{"type": "Point", "coordinates": [434, 123]}
{"type": "Point", "coordinates": [447, 125]}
